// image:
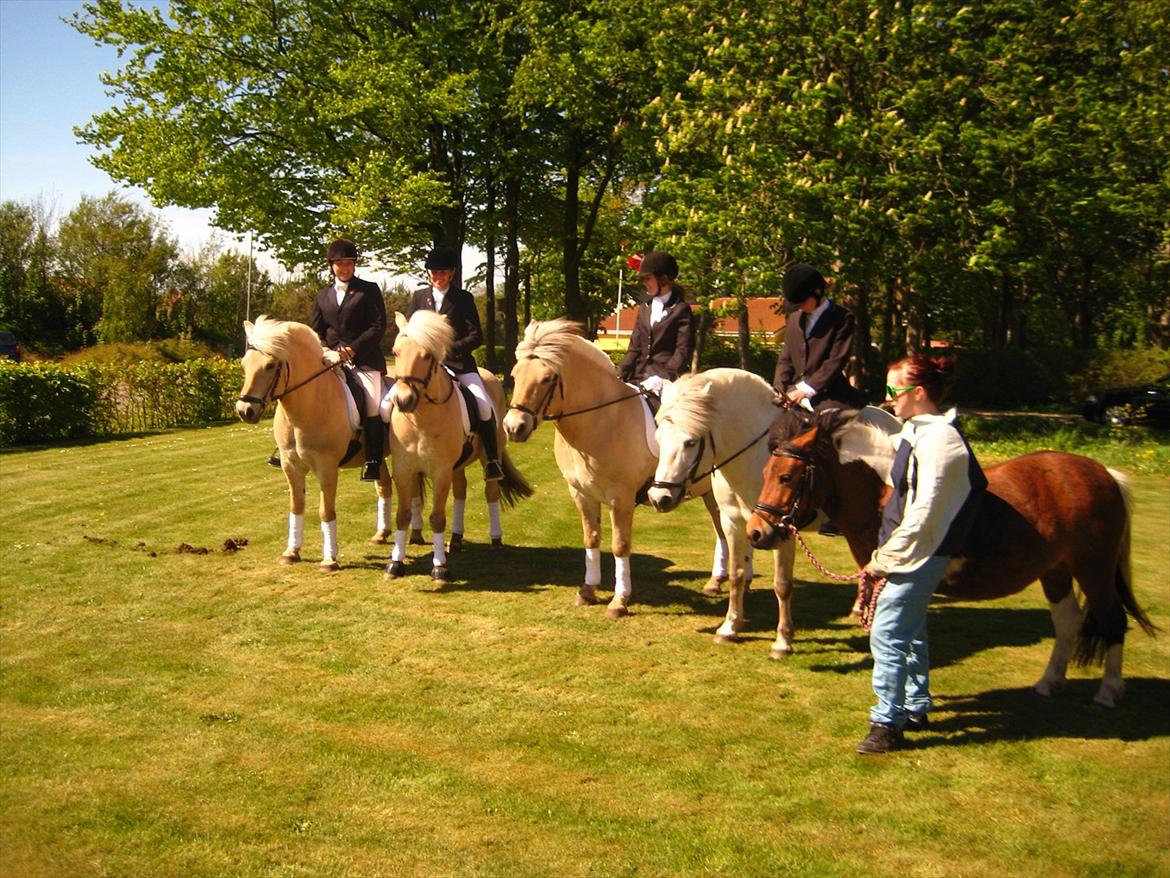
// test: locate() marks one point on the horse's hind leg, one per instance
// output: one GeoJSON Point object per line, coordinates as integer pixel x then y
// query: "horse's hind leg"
{"type": "Point", "coordinates": [491, 493]}
{"type": "Point", "coordinates": [1066, 620]}
{"type": "Point", "coordinates": [458, 507]}
{"type": "Point", "coordinates": [383, 531]}
{"type": "Point", "coordinates": [719, 560]}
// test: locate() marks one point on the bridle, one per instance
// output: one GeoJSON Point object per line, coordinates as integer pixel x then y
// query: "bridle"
{"type": "Point", "coordinates": [420, 385]}
{"type": "Point", "coordinates": [270, 395]}
{"type": "Point", "coordinates": [542, 411]}
{"type": "Point", "coordinates": [693, 476]}
{"type": "Point", "coordinates": [803, 491]}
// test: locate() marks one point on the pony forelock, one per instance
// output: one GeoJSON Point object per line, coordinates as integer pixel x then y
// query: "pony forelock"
{"type": "Point", "coordinates": [277, 338]}
{"type": "Point", "coordinates": [555, 340]}
{"type": "Point", "coordinates": [432, 332]}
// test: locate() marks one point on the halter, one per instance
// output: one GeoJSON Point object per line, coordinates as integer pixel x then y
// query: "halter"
{"type": "Point", "coordinates": [542, 406]}
{"type": "Point", "coordinates": [778, 517]}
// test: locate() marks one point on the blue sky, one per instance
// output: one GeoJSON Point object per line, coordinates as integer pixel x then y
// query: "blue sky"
{"type": "Point", "coordinates": [48, 85]}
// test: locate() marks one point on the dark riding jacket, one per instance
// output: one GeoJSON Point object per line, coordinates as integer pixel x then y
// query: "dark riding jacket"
{"type": "Point", "coordinates": [819, 359]}
{"type": "Point", "coordinates": [459, 309]}
{"type": "Point", "coordinates": [358, 322]}
{"type": "Point", "coordinates": [663, 349]}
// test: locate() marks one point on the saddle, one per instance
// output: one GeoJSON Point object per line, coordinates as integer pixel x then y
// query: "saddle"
{"type": "Point", "coordinates": [358, 395]}
{"type": "Point", "coordinates": [468, 407]}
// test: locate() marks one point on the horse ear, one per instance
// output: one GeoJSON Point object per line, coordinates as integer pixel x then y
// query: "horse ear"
{"type": "Point", "coordinates": [400, 320]}
{"type": "Point", "coordinates": [707, 388]}
{"type": "Point", "coordinates": [248, 327]}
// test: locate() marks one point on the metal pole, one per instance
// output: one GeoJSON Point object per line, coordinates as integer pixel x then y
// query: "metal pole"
{"type": "Point", "coordinates": [248, 300]}
{"type": "Point", "coordinates": [618, 327]}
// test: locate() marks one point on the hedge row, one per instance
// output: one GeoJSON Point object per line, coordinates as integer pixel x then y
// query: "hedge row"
{"type": "Point", "coordinates": [46, 402]}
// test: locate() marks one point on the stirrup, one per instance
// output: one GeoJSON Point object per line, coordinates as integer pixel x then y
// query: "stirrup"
{"type": "Point", "coordinates": [492, 471]}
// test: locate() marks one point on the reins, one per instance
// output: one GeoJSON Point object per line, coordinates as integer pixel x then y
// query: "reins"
{"type": "Point", "coordinates": [270, 395]}
{"type": "Point", "coordinates": [542, 406]}
{"type": "Point", "coordinates": [693, 476]}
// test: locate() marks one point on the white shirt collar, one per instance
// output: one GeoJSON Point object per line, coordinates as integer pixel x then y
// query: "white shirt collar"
{"type": "Point", "coordinates": [811, 320]}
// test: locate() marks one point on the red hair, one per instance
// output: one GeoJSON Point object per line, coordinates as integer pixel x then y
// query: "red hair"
{"type": "Point", "coordinates": [932, 374]}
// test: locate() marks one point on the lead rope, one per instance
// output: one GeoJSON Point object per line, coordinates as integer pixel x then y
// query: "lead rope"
{"type": "Point", "coordinates": [868, 588]}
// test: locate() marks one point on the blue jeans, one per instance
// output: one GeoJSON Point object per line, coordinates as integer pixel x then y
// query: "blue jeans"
{"type": "Point", "coordinates": [897, 640]}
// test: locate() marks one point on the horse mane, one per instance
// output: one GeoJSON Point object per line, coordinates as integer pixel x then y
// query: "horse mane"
{"type": "Point", "coordinates": [850, 434]}
{"type": "Point", "coordinates": [555, 340]}
{"type": "Point", "coordinates": [691, 409]}
{"type": "Point", "coordinates": [280, 338]}
{"type": "Point", "coordinates": [432, 332]}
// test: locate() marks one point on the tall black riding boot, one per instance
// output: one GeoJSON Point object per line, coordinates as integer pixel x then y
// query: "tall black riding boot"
{"type": "Point", "coordinates": [492, 471]}
{"type": "Point", "coordinates": [375, 444]}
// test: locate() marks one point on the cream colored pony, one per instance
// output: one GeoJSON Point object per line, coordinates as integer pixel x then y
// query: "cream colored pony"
{"type": "Point", "coordinates": [427, 435]}
{"type": "Point", "coordinates": [311, 426]}
{"type": "Point", "coordinates": [600, 445]}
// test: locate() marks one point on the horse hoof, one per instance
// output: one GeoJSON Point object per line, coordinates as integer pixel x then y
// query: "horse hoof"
{"type": "Point", "coordinates": [714, 586]}
{"type": "Point", "coordinates": [394, 570]}
{"type": "Point", "coordinates": [616, 612]}
{"type": "Point", "coordinates": [439, 574]}
{"type": "Point", "coordinates": [416, 538]}
{"type": "Point", "coordinates": [456, 544]}
{"type": "Point", "coordinates": [780, 652]}
{"type": "Point", "coordinates": [330, 566]}
{"type": "Point", "coordinates": [726, 638]}
{"type": "Point", "coordinates": [585, 599]}
{"type": "Point", "coordinates": [290, 557]}
{"type": "Point", "coordinates": [378, 539]}
{"type": "Point", "coordinates": [497, 543]}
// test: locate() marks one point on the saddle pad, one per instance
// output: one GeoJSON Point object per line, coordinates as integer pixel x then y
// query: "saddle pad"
{"type": "Point", "coordinates": [351, 411]}
{"type": "Point", "coordinates": [651, 427]}
{"type": "Point", "coordinates": [464, 416]}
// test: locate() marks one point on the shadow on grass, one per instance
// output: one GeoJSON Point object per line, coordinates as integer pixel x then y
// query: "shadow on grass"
{"type": "Point", "coordinates": [1023, 715]}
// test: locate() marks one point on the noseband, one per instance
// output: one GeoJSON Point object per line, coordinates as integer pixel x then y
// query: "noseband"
{"type": "Point", "coordinates": [270, 393]}
{"type": "Point", "coordinates": [778, 517]}
{"type": "Point", "coordinates": [689, 478]}
{"type": "Point", "coordinates": [420, 385]}
{"type": "Point", "coordinates": [541, 410]}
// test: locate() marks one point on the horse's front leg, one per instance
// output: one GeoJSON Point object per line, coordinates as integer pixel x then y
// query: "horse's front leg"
{"type": "Point", "coordinates": [458, 507]}
{"type": "Point", "coordinates": [1066, 620]}
{"type": "Point", "coordinates": [405, 483]}
{"type": "Point", "coordinates": [621, 516]}
{"type": "Point", "coordinates": [590, 511]}
{"type": "Point", "coordinates": [782, 583]}
{"type": "Point", "coordinates": [296, 513]}
{"type": "Point", "coordinates": [328, 508]}
{"type": "Point", "coordinates": [441, 483]}
{"type": "Point", "coordinates": [737, 555]}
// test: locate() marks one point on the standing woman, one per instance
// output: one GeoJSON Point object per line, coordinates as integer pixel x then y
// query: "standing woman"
{"type": "Point", "coordinates": [937, 487]}
{"type": "Point", "coordinates": [663, 338]}
{"type": "Point", "coordinates": [349, 316]}
{"type": "Point", "coordinates": [458, 306]}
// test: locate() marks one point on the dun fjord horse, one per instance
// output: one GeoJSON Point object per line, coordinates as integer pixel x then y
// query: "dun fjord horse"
{"type": "Point", "coordinates": [427, 435]}
{"type": "Point", "coordinates": [312, 426]}
{"type": "Point", "coordinates": [1048, 515]}
{"type": "Point", "coordinates": [716, 424]}
{"type": "Point", "coordinates": [600, 444]}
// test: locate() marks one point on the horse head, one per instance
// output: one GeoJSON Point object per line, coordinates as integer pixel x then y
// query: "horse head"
{"type": "Point", "coordinates": [796, 477]}
{"type": "Point", "coordinates": [683, 439]}
{"type": "Point", "coordinates": [265, 362]}
{"type": "Point", "coordinates": [540, 357]}
{"type": "Point", "coordinates": [422, 344]}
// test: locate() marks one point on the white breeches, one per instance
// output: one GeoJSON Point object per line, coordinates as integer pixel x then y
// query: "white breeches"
{"type": "Point", "coordinates": [372, 382]}
{"type": "Point", "coordinates": [474, 383]}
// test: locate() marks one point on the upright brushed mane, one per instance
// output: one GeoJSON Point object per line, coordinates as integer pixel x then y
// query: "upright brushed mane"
{"type": "Point", "coordinates": [690, 406]}
{"type": "Point", "coordinates": [279, 338]}
{"type": "Point", "coordinates": [432, 332]}
{"type": "Point", "coordinates": [554, 340]}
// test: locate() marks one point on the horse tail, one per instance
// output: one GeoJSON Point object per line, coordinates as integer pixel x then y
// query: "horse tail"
{"type": "Point", "coordinates": [1096, 637]}
{"type": "Point", "coordinates": [513, 487]}
{"type": "Point", "coordinates": [420, 489]}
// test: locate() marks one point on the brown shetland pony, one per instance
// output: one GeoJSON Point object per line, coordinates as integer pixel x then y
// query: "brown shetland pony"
{"type": "Point", "coordinates": [1046, 516]}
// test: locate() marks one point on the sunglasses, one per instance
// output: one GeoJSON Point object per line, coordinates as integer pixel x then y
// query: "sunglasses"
{"type": "Point", "coordinates": [894, 392]}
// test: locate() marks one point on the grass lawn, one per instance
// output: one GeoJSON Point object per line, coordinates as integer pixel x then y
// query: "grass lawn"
{"type": "Point", "coordinates": [165, 713]}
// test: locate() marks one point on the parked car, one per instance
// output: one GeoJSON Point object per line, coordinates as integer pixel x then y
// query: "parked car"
{"type": "Point", "coordinates": [8, 346]}
{"type": "Point", "coordinates": [1144, 404]}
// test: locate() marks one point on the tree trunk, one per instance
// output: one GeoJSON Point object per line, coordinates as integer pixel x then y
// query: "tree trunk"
{"type": "Point", "coordinates": [489, 282]}
{"type": "Point", "coordinates": [571, 259]}
{"type": "Point", "coordinates": [743, 332]}
{"type": "Point", "coordinates": [511, 268]}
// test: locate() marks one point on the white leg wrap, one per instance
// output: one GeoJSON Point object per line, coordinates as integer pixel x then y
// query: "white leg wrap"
{"type": "Point", "coordinates": [621, 578]}
{"type": "Point", "coordinates": [438, 540]}
{"type": "Point", "coordinates": [398, 553]}
{"type": "Point", "coordinates": [383, 514]}
{"type": "Point", "coordinates": [593, 567]}
{"type": "Point", "coordinates": [416, 521]}
{"type": "Point", "coordinates": [719, 559]}
{"type": "Point", "coordinates": [457, 508]}
{"type": "Point", "coordinates": [495, 529]}
{"type": "Point", "coordinates": [329, 533]}
{"type": "Point", "coordinates": [296, 531]}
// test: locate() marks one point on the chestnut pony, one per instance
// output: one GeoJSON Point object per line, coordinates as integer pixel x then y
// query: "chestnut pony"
{"type": "Point", "coordinates": [1047, 516]}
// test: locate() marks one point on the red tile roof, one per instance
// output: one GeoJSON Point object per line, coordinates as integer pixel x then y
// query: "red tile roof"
{"type": "Point", "coordinates": [765, 317]}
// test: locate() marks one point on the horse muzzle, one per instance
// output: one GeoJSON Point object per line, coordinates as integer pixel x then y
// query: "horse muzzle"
{"type": "Point", "coordinates": [405, 397]}
{"type": "Point", "coordinates": [665, 497]}
{"type": "Point", "coordinates": [763, 534]}
{"type": "Point", "coordinates": [518, 425]}
{"type": "Point", "coordinates": [250, 410]}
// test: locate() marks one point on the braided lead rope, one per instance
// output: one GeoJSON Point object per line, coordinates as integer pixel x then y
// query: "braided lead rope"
{"type": "Point", "coordinates": [868, 588]}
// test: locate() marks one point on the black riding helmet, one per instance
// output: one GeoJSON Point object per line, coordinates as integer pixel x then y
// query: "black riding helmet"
{"type": "Point", "coordinates": [659, 263]}
{"type": "Point", "coordinates": [801, 281]}
{"type": "Point", "coordinates": [442, 259]}
{"type": "Point", "coordinates": [342, 248]}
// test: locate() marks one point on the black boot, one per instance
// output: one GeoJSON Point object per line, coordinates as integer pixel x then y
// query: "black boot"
{"type": "Point", "coordinates": [375, 443]}
{"type": "Point", "coordinates": [492, 471]}
{"type": "Point", "coordinates": [274, 458]}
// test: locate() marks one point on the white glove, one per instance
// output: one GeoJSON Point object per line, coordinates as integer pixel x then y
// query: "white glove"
{"type": "Point", "coordinates": [331, 358]}
{"type": "Point", "coordinates": [653, 383]}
